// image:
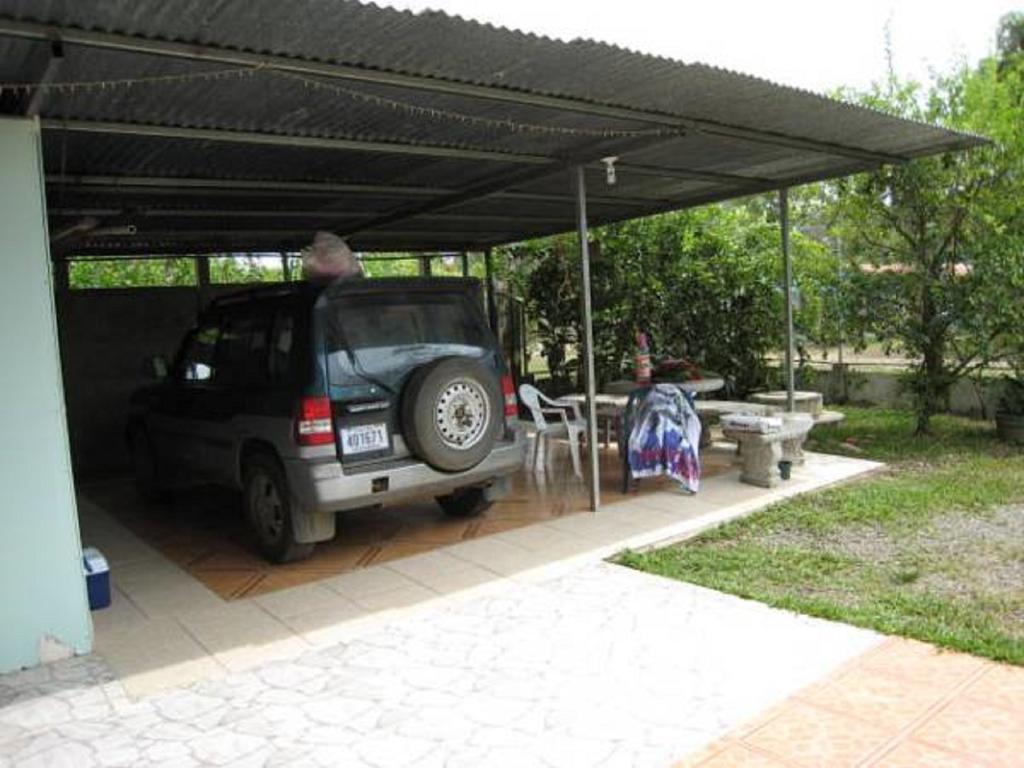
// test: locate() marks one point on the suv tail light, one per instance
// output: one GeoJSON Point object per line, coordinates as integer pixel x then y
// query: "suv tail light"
{"type": "Point", "coordinates": [508, 392]}
{"type": "Point", "coordinates": [313, 424]}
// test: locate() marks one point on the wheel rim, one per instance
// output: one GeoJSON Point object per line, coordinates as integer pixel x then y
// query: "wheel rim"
{"type": "Point", "coordinates": [462, 414]}
{"type": "Point", "coordinates": [266, 507]}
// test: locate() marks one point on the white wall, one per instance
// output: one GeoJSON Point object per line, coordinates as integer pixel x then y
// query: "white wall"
{"type": "Point", "coordinates": [43, 606]}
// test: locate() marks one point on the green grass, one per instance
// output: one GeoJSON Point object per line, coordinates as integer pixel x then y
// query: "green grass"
{"type": "Point", "coordinates": [931, 549]}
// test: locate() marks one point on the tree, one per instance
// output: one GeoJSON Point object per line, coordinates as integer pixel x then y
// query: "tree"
{"type": "Point", "coordinates": [936, 244]}
{"type": "Point", "coordinates": [703, 284]}
{"type": "Point", "coordinates": [1010, 37]}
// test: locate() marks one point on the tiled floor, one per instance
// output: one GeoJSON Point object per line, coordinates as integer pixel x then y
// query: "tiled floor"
{"type": "Point", "coordinates": [903, 703]}
{"type": "Point", "coordinates": [202, 532]}
{"type": "Point", "coordinates": [600, 666]}
{"type": "Point", "coordinates": [167, 628]}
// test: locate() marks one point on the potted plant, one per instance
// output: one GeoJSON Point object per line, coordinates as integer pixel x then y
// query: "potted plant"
{"type": "Point", "coordinates": [1010, 411]}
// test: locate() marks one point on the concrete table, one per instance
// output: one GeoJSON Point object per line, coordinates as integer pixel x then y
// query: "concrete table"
{"type": "Point", "coordinates": [803, 401]}
{"type": "Point", "coordinates": [710, 383]}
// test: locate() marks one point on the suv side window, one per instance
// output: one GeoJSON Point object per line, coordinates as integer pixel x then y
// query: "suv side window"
{"type": "Point", "coordinates": [282, 340]}
{"type": "Point", "coordinates": [242, 352]}
{"type": "Point", "coordinates": [199, 353]}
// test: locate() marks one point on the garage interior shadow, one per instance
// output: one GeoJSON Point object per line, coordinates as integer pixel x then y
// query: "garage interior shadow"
{"type": "Point", "coordinates": [203, 532]}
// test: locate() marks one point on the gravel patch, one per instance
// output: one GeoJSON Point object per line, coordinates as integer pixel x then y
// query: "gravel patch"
{"type": "Point", "coordinates": [960, 554]}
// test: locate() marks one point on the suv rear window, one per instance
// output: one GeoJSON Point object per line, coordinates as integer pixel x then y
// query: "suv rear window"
{"type": "Point", "coordinates": [366, 322]}
{"type": "Point", "coordinates": [389, 333]}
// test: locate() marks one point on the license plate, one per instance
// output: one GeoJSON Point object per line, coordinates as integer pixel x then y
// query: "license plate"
{"type": "Point", "coordinates": [364, 438]}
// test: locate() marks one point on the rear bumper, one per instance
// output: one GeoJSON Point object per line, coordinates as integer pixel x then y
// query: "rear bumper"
{"type": "Point", "coordinates": [322, 487]}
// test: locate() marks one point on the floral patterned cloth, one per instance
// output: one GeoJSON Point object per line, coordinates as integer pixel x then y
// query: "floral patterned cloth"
{"type": "Point", "coordinates": [665, 437]}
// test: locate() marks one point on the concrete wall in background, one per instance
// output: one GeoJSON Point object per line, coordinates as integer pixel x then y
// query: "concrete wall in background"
{"type": "Point", "coordinates": [884, 389]}
{"type": "Point", "coordinates": [106, 336]}
{"type": "Point", "coordinates": [42, 591]}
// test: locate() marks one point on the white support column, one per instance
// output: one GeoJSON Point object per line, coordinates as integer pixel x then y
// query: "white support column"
{"type": "Point", "coordinates": [42, 590]}
{"type": "Point", "coordinates": [787, 280]}
{"type": "Point", "coordinates": [587, 321]}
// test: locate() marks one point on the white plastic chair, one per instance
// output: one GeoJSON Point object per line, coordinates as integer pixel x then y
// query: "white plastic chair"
{"type": "Point", "coordinates": [572, 428]}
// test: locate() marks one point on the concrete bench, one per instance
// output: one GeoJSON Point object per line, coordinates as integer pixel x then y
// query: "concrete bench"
{"type": "Point", "coordinates": [710, 411]}
{"type": "Point", "coordinates": [760, 453]}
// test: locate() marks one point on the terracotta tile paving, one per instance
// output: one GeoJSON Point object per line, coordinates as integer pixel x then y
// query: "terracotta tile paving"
{"type": "Point", "coordinates": [902, 704]}
{"type": "Point", "coordinates": [202, 532]}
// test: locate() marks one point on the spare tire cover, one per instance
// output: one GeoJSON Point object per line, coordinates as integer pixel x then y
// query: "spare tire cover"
{"type": "Point", "coordinates": [452, 413]}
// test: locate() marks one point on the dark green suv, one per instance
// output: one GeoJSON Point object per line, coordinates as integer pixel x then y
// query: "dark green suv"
{"type": "Point", "coordinates": [314, 399]}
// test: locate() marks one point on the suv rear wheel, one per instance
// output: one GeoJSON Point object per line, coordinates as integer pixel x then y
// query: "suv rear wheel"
{"type": "Point", "coordinates": [266, 502]}
{"type": "Point", "coordinates": [465, 502]}
{"type": "Point", "coordinates": [452, 412]}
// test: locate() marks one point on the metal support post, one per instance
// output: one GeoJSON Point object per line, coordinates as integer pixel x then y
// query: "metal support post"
{"type": "Point", "coordinates": [202, 281]}
{"type": "Point", "coordinates": [588, 338]}
{"type": "Point", "coordinates": [787, 279]}
{"type": "Point", "coordinates": [465, 264]}
{"type": "Point", "coordinates": [492, 300]}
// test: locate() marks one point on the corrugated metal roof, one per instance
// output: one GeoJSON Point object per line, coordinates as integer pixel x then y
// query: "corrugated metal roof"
{"type": "Point", "coordinates": [368, 74]}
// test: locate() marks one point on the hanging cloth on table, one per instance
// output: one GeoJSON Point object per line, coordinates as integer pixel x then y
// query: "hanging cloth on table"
{"type": "Point", "coordinates": [665, 437]}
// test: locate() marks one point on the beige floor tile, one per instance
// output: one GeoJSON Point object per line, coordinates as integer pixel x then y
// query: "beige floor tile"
{"type": "Point", "coordinates": [1001, 686]}
{"type": "Point", "coordinates": [912, 754]}
{"type": "Point", "coordinates": [233, 625]}
{"type": "Point", "coordinates": [119, 546]}
{"type": "Point", "coordinates": [989, 734]}
{"type": "Point", "coordinates": [366, 581]}
{"type": "Point", "coordinates": [677, 506]}
{"type": "Point", "coordinates": [167, 594]}
{"type": "Point", "coordinates": [885, 700]}
{"type": "Point", "coordinates": [483, 551]}
{"type": "Point", "coordinates": [726, 490]}
{"type": "Point", "coordinates": [808, 735]}
{"type": "Point", "coordinates": [537, 537]}
{"type": "Point", "coordinates": [422, 568]}
{"type": "Point", "coordinates": [156, 654]}
{"type": "Point", "coordinates": [296, 601]}
{"type": "Point", "coordinates": [739, 756]}
{"type": "Point", "coordinates": [320, 632]}
{"type": "Point", "coordinates": [242, 635]}
{"type": "Point", "coordinates": [247, 656]}
{"type": "Point", "coordinates": [119, 616]}
{"type": "Point", "coordinates": [466, 576]}
{"type": "Point", "coordinates": [175, 675]}
{"type": "Point", "coordinates": [921, 662]}
{"type": "Point", "coordinates": [399, 597]}
{"type": "Point", "coordinates": [330, 623]}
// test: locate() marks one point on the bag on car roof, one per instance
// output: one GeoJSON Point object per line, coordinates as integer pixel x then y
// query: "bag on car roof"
{"type": "Point", "coordinates": [329, 258]}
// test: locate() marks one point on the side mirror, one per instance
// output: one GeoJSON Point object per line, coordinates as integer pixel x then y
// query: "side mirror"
{"type": "Point", "coordinates": [156, 367]}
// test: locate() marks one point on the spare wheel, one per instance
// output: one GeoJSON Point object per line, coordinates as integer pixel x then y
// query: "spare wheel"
{"type": "Point", "coordinates": [452, 413]}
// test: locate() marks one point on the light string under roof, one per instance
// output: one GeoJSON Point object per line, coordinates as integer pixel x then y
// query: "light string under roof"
{"type": "Point", "coordinates": [437, 113]}
{"type": "Point", "coordinates": [92, 86]}
{"type": "Point", "coordinates": [416, 110]}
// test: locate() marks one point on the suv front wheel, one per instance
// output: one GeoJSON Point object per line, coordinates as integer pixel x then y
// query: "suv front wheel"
{"type": "Point", "coordinates": [266, 502]}
{"type": "Point", "coordinates": [465, 502]}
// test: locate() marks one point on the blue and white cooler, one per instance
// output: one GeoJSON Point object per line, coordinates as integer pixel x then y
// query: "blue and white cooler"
{"type": "Point", "coordinates": [97, 578]}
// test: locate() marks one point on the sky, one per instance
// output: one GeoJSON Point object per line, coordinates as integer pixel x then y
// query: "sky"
{"type": "Point", "coordinates": [814, 44]}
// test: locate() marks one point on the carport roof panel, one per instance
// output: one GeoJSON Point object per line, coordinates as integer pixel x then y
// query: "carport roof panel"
{"type": "Point", "coordinates": [742, 134]}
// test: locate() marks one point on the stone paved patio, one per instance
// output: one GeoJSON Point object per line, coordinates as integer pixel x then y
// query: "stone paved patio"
{"type": "Point", "coordinates": [599, 666]}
